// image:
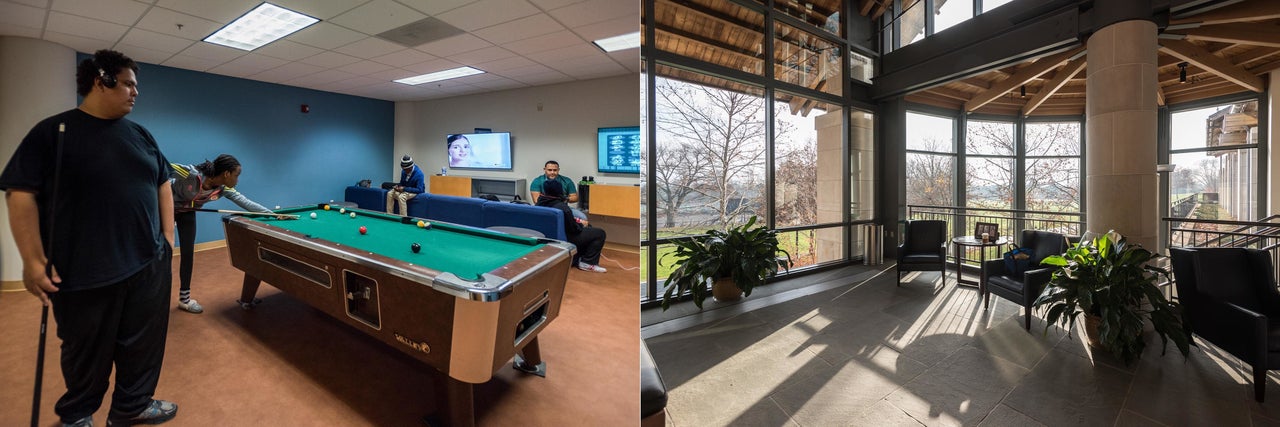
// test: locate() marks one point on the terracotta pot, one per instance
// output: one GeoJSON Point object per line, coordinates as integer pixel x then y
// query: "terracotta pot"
{"type": "Point", "coordinates": [1091, 325]}
{"type": "Point", "coordinates": [725, 290]}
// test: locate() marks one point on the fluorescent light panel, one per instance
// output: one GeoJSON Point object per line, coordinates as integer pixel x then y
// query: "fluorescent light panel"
{"type": "Point", "coordinates": [622, 42]}
{"type": "Point", "coordinates": [264, 24]}
{"type": "Point", "coordinates": [440, 75]}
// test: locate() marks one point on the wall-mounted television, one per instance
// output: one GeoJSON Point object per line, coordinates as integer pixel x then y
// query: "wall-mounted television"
{"type": "Point", "coordinates": [479, 150]}
{"type": "Point", "coordinates": [618, 149]}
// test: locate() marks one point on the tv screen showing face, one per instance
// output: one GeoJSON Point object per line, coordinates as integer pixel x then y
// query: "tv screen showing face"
{"type": "Point", "coordinates": [619, 149]}
{"type": "Point", "coordinates": [480, 150]}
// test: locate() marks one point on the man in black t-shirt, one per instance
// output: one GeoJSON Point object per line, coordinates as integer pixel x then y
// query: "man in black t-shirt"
{"type": "Point", "coordinates": [111, 245]}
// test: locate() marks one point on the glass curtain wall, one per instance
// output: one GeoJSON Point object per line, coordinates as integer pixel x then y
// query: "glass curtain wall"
{"type": "Point", "coordinates": [737, 133]}
{"type": "Point", "coordinates": [1214, 150]}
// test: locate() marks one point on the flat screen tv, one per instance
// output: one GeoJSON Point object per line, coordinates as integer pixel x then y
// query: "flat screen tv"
{"type": "Point", "coordinates": [490, 151]}
{"type": "Point", "coordinates": [618, 150]}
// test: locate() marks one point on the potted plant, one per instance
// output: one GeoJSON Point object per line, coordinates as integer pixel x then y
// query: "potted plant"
{"type": "Point", "coordinates": [737, 259]}
{"type": "Point", "coordinates": [1109, 281]}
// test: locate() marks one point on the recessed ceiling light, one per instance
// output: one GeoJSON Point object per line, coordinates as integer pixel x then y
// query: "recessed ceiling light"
{"type": "Point", "coordinates": [264, 24]}
{"type": "Point", "coordinates": [440, 75]}
{"type": "Point", "coordinates": [622, 42]}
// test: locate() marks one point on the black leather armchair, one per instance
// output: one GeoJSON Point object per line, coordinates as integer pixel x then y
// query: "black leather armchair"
{"type": "Point", "coordinates": [1026, 288]}
{"type": "Point", "coordinates": [924, 248]}
{"type": "Point", "coordinates": [1232, 302]}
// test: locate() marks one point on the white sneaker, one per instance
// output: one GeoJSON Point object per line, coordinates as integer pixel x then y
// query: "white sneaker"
{"type": "Point", "coordinates": [191, 306]}
{"type": "Point", "coordinates": [590, 267]}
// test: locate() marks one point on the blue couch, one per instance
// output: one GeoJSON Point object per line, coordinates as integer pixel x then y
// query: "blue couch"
{"type": "Point", "coordinates": [467, 211]}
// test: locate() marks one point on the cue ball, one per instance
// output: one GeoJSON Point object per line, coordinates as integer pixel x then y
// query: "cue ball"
{"type": "Point", "coordinates": [426, 225]}
{"type": "Point", "coordinates": [342, 210]}
{"type": "Point", "coordinates": [313, 215]}
{"type": "Point", "coordinates": [363, 230]}
{"type": "Point", "coordinates": [421, 224]}
{"type": "Point", "coordinates": [353, 215]}
{"type": "Point", "coordinates": [415, 247]}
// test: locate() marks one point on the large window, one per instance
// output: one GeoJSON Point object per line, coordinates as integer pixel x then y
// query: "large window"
{"type": "Point", "coordinates": [989, 164]}
{"type": "Point", "coordinates": [1053, 166]}
{"type": "Point", "coordinates": [1214, 151]}
{"type": "Point", "coordinates": [931, 160]}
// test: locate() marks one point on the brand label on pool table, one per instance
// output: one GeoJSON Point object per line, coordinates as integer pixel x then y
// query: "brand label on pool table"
{"type": "Point", "coordinates": [420, 346]}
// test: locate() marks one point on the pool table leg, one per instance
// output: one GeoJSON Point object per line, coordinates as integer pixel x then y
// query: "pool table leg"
{"type": "Point", "coordinates": [247, 301]}
{"type": "Point", "coordinates": [530, 359]}
{"type": "Point", "coordinates": [455, 405]}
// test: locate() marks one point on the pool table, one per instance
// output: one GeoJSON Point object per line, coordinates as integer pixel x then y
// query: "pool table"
{"type": "Point", "coordinates": [466, 303]}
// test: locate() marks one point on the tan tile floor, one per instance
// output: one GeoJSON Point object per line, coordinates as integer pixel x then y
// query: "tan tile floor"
{"type": "Point", "coordinates": [872, 353]}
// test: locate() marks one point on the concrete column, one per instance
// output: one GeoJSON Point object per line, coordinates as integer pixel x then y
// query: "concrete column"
{"type": "Point", "coordinates": [1121, 128]}
{"type": "Point", "coordinates": [830, 242]}
{"type": "Point", "coordinates": [1273, 143]}
{"type": "Point", "coordinates": [37, 79]}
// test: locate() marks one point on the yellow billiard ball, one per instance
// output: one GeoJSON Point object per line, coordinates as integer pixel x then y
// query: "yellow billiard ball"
{"type": "Point", "coordinates": [326, 207]}
{"type": "Point", "coordinates": [421, 224]}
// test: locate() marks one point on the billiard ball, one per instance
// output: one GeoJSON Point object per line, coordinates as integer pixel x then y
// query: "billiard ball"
{"type": "Point", "coordinates": [415, 247]}
{"type": "Point", "coordinates": [363, 230]}
{"type": "Point", "coordinates": [313, 215]}
{"type": "Point", "coordinates": [326, 207]}
{"type": "Point", "coordinates": [342, 210]}
{"type": "Point", "coordinates": [353, 215]}
{"type": "Point", "coordinates": [421, 224]}
{"type": "Point", "coordinates": [426, 225]}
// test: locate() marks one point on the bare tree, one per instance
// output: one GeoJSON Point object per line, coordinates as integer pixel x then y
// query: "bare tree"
{"type": "Point", "coordinates": [797, 183]}
{"type": "Point", "coordinates": [1053, 183]}
{"type": "Point", "coordinates": [676, 177]}
{"type": "Point", "coordinates": [989, 181]}
{"type": "Point", "coordinates": [930, 177]}
{"type": "Point", "coordinates": [724, 132]}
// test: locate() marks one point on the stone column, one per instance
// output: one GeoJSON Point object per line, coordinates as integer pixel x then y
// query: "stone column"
{"type": "Point", "coordinates": [1121, 127]}
{"type": "Point", "coordinates": [37, 79]}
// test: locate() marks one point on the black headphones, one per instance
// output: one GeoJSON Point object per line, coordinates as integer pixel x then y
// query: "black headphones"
{"type": "Point", "coordinates": [108, 81]}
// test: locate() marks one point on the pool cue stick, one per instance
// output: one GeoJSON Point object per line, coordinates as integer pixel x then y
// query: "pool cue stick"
{"type": "Point", "coordinates": [48, 271]}
{"type": "Point", "coordinates": [227, 211]}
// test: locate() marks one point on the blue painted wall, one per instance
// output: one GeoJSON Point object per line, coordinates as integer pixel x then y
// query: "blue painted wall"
{"type": "Point", "coordinates": [288, 158]}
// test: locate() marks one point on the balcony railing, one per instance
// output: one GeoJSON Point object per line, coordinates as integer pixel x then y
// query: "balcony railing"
{"type": "Point", "coordinates": [1209, 233]}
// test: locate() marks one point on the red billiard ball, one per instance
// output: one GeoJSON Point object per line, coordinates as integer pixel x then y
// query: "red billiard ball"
{"type": "Point", "coordinates": [415, 247]}
{"type": "Point", "coordinates": [363, 230]}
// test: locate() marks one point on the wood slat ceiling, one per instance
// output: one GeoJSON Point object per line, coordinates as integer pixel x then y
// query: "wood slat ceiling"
{"type": "Point", "coordinates": [1228, 50]}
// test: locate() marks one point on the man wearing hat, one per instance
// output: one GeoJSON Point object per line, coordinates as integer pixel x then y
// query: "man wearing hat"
{"type": "Point", "coordinates": [411, 184]}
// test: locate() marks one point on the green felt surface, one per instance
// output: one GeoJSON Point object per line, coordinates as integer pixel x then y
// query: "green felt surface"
{"type": "Point", "coordinates": [463, 251]}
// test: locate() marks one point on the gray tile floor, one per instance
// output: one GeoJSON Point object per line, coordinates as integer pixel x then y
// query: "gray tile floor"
{"type": "Point", "coordinates": [866, 351]}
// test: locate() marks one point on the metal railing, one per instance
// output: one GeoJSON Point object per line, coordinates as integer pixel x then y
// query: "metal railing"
{"type": "Point", "coordinates": [962, 220]}
{"type": "Point", "coordinates": [1211, 233]}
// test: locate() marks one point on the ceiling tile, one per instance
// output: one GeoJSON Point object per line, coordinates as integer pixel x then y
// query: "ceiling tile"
{"type": "Point", "coordinates": [288, 50]}
{"type": "Point", "coordinates": [85, 27]}
{"type": "Point", "coordinates": [320, 9]}
{"type": "Point", "coordinates": [436, 7]}
{"type": "Point", "coordinates": [80, 44]}
{"type": "Point", "coordinates": [543, 78]}
{"type": "Point", "coordinates": [593, 11]}
{"type": "Point", "coordinates": [591, 71]}
{"type": "Point", "coordinates": [488, 54]}
{"type": "Point", "coordinates": [124, 12]}
{"type": "Point", "coordinates": [391, 75]}
{"type": "Point", "coordinates": [515, 73]}
{"type": "Point", "coordinates": [404, 57]}
{"type": "Point", "coordinates": [248, 65]}
{"type": "Point", "coordinates": [554, 4]}
{"type": "Point", "coordinates": [21, 15]}
{"type": "Point", "coordinates": [37, 3]}
{"type": "Point", "coordinates": [485, 13]}
{"type": "Point", "coordinates": [217, 53]}
{"type": "Point", "coordinates": [613, 27]}
{"type": "Point", "coordinates": [432, 66]}
{"type": "Point", "coordinates": [142, 54]}
{"type": "Point", "coordinates": [166, 21]}
{"type": "Point", "coordinates": [520, 29]}
{"type": "Point", "coordinates": [330, 60]}
{"type": "Point", "coordinates": [156, 41]}
{"type": "Point", "coordinates": [20, 31]}
{"type": "Point", "coordinates": [377, 16]}
{"type": "Point", "coordinates": [365, 68]}
{"type": "Point", "coordinates": [371, 47]}
{"type": "Point", "coordinates": [556, 40]}
{"type": "Point", "coordinates": [325, 36]}
{"type": "Point", "coordinates": [454, 45]}
{"type": "Point", "coordinates": [628, 58]}
{"type": "Point", "coordinates": [316, 79]}
{"type": "Point", "coordinates": [500, 84]}
{"type": "Point", "coordinates": [190, 63]}
{"type": "Point", "coordinates": [352, 82]}
{"type": "Point", "coordinates": [506, 64]}
{"type": "Point", "coordinates": [570, 52]}
{"type": "Point", "coordinates": [286, 72]}
{"type": "Point", "coordinates": [222, 11]}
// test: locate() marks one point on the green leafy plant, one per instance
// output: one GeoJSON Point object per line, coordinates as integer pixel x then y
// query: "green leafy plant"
{"type": "Point", "coordinates": [745, 253]}
{"type": "Point", "coordinates": [1110, 278]}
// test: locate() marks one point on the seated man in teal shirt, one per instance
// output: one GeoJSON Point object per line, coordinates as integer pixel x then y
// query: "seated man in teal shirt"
{"type": "Point", "coordinates": [551, 171]}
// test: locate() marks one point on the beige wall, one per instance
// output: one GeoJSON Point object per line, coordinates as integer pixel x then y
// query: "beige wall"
{"type": "Point", "coordinates": [35, 82]}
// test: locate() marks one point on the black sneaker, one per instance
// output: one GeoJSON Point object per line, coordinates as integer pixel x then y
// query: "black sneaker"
{"type": "Point", "coordinates": [83, 422]}
{"type": "Point", "coordinates": [157, 412]}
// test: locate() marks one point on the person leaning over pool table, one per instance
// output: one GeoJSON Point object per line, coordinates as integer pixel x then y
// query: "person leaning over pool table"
{"type": "Point", "coordinates": [100, 181]}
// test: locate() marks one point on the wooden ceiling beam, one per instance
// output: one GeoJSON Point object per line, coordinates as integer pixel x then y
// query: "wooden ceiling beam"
{"type": "Point", "coordinates": [866, 7]}
{"type": "Point", "coordinates": [1022, 76]}
{"type": "Point", "coordinates": [1248, 33]}
{"type": "Point", "coordinates": [1065, 73]}
{"type": "Point", "coordinates": [1255, 10]}
{"type": "Point", "coordinates": [880, 8]}
{"type": "Point", "coordinates": [1265, 68]}
{"type": "Point", "coordinates": [1212, 63]}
